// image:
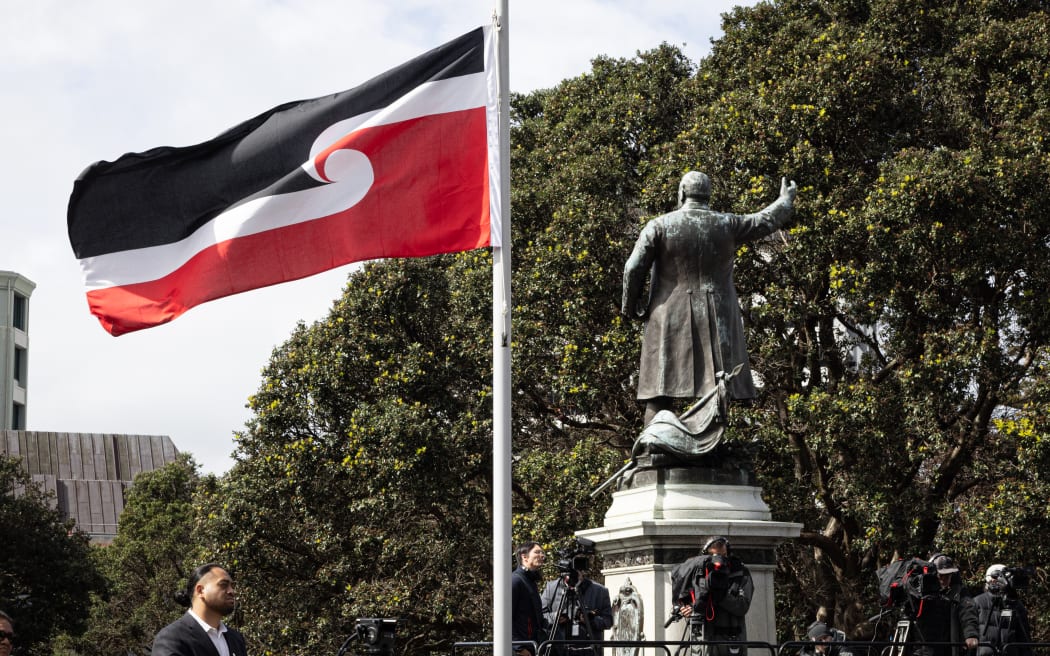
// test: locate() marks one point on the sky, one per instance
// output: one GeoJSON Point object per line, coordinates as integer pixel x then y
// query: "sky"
{"type": "Point", "coordinates": [93, 79]}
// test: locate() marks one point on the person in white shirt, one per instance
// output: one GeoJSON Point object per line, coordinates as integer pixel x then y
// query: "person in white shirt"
{"type": "Point", "coordinates": [211, 595]}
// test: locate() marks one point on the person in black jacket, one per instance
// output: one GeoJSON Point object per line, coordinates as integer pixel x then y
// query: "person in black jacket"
{"type": "Point", "coordinates": [947, 616]}
{"type": "Point", "coordinates": [211, 596]}
{"type": "Point", "coordinates": [526, 609]}
{"type": "Point", "coordinates": [1001, 616]}
{"type": "Point", "coordinates": [714, 591]}
{"type": "Point", "coordinates": [584, 614]}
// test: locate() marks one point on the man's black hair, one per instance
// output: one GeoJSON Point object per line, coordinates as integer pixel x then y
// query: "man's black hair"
{"type": "Point", "coordinates": [184, 597]}
{"type": "Point", "coordinates": [525, 547]}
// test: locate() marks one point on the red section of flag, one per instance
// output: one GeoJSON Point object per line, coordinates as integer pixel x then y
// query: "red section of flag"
{"type": "Point", "coordinates": [430, 195]}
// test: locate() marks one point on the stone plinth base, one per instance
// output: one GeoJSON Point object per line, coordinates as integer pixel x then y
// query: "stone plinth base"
{"type": "Point", "coordinates": [662, 517]}
{"type": "Point", "coordinates": [688, 493]}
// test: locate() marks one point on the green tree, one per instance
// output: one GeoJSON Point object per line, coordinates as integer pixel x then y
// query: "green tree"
{"type": "Point", "coordinates": [898, 327]}
{"type": "Point", "coordinates": [149, 559]}
{"type": "Point", "coordinates": [362, 483]}
{"type": "Point", "coordinates": [46, 573]}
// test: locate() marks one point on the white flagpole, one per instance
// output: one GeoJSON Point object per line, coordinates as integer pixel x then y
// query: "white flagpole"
{"type": "Point", "coordinates": [501, 381]}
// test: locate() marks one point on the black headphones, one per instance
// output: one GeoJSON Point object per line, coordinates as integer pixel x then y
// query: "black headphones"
{"type": "Point", "coordinates": [714, 539]}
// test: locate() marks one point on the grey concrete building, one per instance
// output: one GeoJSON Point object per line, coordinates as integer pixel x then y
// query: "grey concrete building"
{"type": "Point", "coordinates": [87, 473]}
{"type": "Point", "coordinates": [15, 291]}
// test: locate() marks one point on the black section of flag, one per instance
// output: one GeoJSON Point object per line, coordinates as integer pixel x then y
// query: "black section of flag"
{"type": "Point", "coordinates": [170, 192]}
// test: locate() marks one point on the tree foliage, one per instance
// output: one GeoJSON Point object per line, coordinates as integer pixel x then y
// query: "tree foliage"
{"type": "Point", "coordinates": [46, 572]}
{"type": "Point", "coordinates": [149, 559]}
{"type": "Point", "coordinates": [899, 328]}
{"type": "Point", "coordinates": [361, 484]}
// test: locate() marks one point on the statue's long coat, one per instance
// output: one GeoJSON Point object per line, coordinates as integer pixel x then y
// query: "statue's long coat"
{"type": "Point", "coordinates": [692, 301]}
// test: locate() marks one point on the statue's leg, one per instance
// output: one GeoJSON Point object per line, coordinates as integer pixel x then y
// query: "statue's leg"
{"type": "Point", "coordinates": [652, 406]}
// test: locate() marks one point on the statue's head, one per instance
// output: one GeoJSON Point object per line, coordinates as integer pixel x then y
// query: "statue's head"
{"type": "Point", "coordinates": [695, 186]}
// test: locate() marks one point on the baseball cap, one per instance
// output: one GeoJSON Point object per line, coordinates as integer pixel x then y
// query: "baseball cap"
{"type": "Point", "coordinates": [945, 565]}
{"type": "Point", "coordinates": [818, 630]}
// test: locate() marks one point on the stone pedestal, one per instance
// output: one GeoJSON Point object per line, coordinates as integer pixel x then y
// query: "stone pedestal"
{"type": "Point", "coordinates": [662, 517]}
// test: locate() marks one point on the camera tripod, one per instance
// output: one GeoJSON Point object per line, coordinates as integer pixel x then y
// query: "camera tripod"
{"type": "Point", "coordinates": [696, 630]}
{"type": "Point", "coordinates": [900, 636]}
{"type": "Point", "coordinates": [570, 601]}
{"type": "Point", "coordinates": [1000, 617]}
{"type": "Point", "coordinates": [689, 633]}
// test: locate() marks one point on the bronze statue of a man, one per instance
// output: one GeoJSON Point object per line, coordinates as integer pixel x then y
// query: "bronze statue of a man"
{"type": "Point", "coordinates": [694, 328]}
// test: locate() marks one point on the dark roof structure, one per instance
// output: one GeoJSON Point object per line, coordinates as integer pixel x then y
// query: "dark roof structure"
{"type": "Point", "coordinates": [88, 473]}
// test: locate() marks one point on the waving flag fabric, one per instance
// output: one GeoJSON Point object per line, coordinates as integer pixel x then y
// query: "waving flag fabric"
{"type": "Point", "coordinates": [405, 165]}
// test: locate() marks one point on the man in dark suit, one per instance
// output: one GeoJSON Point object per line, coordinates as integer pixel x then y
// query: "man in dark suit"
{"type": "Point", "coordinates": [210, 595]}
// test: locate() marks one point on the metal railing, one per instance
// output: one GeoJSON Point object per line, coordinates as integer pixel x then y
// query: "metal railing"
{"type": "Point", "coordinates": [790, 648]}
{"type": "Point", "coordinates": [905, 648]}
{"type": "Point", "coordinates": [680, 646]}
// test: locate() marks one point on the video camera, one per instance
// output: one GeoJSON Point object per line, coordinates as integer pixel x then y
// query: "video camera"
{"type": "Point", "coordinates": [905, 582]}
{"type": "Point", "coordinates": [716, 570]}
{"type": "Point", "coordinates": [573, 558]}
{"type": "Point", "coordinates": [839, 650]}
{"type": "Point", "coordinates": [376, 635]}
{"type": "Point", "coordinates": [1018, 578]}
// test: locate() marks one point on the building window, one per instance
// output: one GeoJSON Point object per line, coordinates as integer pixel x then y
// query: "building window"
{"type": "Point", "coordinates": [20, 310]}
{"type": "Point", "coordinates": [20, 366]}
{"type": "Point", "coordinates": [18, 416]}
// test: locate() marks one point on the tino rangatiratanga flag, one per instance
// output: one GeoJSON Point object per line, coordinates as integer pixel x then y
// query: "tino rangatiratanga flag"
{"type": "Point", "coordinates": [404, 165]}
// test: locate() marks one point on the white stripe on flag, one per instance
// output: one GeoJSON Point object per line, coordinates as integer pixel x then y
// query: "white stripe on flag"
{"type": "Point", "coordinates": [273, 212]}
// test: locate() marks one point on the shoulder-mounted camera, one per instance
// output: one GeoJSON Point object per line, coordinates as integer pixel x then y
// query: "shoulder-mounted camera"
{"type": "Point", "coordinates": [716, 571]}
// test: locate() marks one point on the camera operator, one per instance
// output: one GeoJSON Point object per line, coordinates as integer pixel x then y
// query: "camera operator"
{"type": "Point", "coordinates": [578, 608]}
{"type": "Point", "coordinates": [1001, 616]}
{"type": "Point", "coordinates": [714, 590]}
{"type": "Point", "coordinates": [947, 615]}
{"type": "Point", "coordinates": [821, 637]}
